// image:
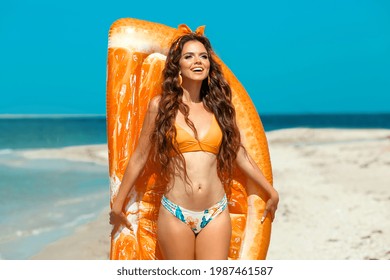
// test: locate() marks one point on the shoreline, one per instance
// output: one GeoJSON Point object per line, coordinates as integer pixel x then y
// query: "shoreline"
{"type": "Point", "coordinates": [333, 186]}
{"type": "Point", "coordinates": [90, 241]}
{"type": "Point", "coordinates": [83, 153]}
{"type": "Point", "coordinates": [47, 194]}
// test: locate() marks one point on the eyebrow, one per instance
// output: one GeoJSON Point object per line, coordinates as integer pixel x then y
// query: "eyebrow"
{"type": "Point", "coordinates": [194, 53]}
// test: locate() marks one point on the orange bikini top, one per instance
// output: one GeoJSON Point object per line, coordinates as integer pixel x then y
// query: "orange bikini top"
{"type": "Point", "coordinates": [209, 143]}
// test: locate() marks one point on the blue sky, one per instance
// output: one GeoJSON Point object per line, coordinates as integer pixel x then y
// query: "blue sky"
{"type": "Point", "coordinates": [325, 56]}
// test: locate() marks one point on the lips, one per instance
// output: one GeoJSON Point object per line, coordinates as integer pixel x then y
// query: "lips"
{"type": "Point", "coordinates": [197, 69]}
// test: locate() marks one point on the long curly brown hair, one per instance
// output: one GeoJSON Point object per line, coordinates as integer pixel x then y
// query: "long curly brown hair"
{"type": "Point", "coordinates": [216, 96]}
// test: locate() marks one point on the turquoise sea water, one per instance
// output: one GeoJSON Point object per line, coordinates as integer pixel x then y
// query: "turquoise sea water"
{"type": "Point", "coordinates": [348, 121]}
{"type": "Point", "coordinates": [24, 132]}
{"type": "Point", "coordinates": [44, 200]}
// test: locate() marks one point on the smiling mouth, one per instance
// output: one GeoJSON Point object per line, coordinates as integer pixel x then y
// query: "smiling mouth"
{"type": "Point", "coordinates": [197, 70]}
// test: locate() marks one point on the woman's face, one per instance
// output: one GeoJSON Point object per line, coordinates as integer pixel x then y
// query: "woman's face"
{"type": "Point", "coordinates": [194, 62]}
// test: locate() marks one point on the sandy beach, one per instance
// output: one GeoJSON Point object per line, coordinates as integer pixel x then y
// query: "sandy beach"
{"type": "Point", "coordinates": [334, 197]}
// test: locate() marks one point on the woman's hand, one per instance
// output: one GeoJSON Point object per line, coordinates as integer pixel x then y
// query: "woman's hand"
{"type": "Point", "coordinates": [117, 219]}
{"type": "Point", "coordinates": [271, 206]}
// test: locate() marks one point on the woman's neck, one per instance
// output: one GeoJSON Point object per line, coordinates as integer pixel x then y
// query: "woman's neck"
{"type": "Point", "coordinates": [191, 92]}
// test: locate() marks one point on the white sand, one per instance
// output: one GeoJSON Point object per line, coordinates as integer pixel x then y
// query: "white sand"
{"type": "Point", "coordinates": [334, 194]}
{"type": "Point", "coordinates": [334, 190]}
{"type": "Point", "coordinates": [88, 153]}
{"type": "Point", "coordinates": [89, 242]}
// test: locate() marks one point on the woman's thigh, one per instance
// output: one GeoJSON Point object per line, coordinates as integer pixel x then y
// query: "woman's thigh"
{"type": "Point", "coordinates": [176, 240]}
{"type": "Point", "coordinates": [213, 242]}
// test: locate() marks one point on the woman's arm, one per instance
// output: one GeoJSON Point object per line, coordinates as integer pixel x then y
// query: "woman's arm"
{"type": "Point", "coordinates": [251, 170]}
{"type": "Point", "coordinates": [135, 165]}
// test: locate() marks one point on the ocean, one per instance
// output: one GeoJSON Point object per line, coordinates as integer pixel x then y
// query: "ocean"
{"type": "Point", "coordinates": [44, 200]}
{"type": "Point", "coordinates": [348, 121]}
{"type": "Point", "coordinates": [28, 132]}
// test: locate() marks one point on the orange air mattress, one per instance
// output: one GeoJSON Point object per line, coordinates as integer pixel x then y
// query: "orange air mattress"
{"type": "Point", "coordinates": [136, 55]}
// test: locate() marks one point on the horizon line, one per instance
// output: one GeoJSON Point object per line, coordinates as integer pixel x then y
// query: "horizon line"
{"type": "Point", "coordinates": [71, 115]}
{"type": "Point", "coordinates": [20, 116]}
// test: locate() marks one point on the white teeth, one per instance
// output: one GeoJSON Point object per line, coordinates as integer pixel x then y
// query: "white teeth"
{"type": "Point", "coordinates": [197, 69]}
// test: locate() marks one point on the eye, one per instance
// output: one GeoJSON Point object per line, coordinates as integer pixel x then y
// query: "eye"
{"type": "Point", "coordinates": [204, 56]}
{"type": "Point", "coordinates": [187, 56]}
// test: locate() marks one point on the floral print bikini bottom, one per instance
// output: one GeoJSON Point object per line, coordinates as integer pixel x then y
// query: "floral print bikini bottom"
{"type": "Point", "coordinates": [195, 220]}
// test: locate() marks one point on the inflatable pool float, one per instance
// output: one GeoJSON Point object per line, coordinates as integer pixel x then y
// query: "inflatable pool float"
{"type": "Point", "coordinates": [136, 56]}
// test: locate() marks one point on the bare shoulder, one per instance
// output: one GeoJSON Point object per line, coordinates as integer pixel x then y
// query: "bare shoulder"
{"type": "Point", "coordinates": [154, 103]}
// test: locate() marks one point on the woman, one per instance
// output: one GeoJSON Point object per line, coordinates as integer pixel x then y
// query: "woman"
{"type": "Point", "coordinates": [191, 130]}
